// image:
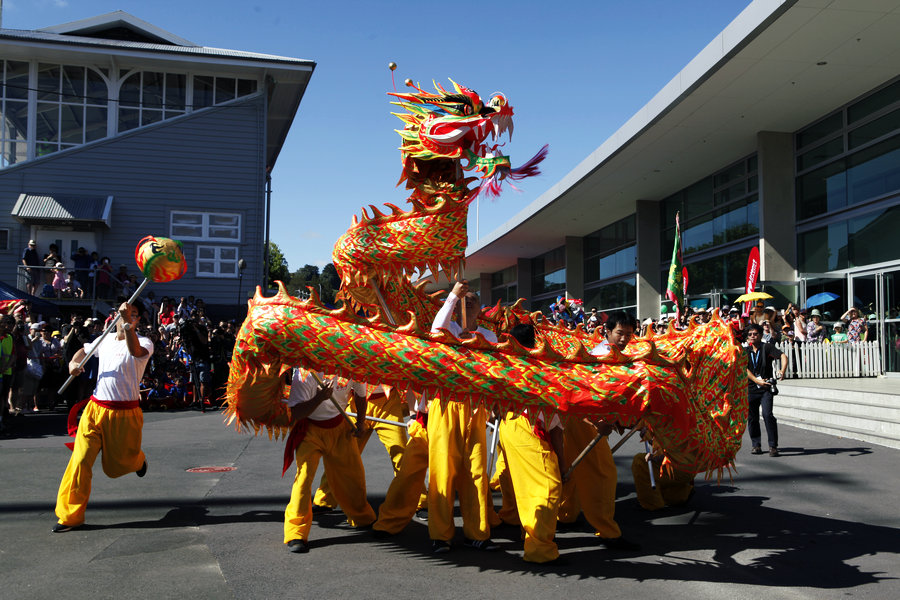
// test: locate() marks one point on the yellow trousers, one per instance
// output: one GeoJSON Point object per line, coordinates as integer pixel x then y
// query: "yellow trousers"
{"type": "Point", "coordinates": [393, 437]}
{"type": "Point", "coordinates": [115, 433]}
{"type": "Point", "coordinates": [671, 490]}
{"type": "Point", "coordinates": [340, 455]}
{"type": "Point", "coordinates": [531, 487]}
{"type": "Point", "coordinates": [407, 487]}
{"type": "Point", "coordinates": [457, 459]}
{"type": "Point", "coordinates": [592, 486]}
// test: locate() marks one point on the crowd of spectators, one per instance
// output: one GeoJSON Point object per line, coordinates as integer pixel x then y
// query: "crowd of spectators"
{"type": "Point", "coordinates": [189, 366]}
{"type": "Point", "coordinates": [81, 275]}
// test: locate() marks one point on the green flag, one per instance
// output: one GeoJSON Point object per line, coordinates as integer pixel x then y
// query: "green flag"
{"type": "Point", "coordinates": [675, 285]}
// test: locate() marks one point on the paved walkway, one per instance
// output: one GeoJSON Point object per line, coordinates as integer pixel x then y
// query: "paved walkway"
{"type": "Point", "coordinates": [820, 522]}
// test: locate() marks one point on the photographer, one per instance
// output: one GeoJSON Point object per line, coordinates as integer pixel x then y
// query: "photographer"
{"type": "Point", "coordinates": [195, 338]}
{"type": "Point", "coordinates": [761, 387]}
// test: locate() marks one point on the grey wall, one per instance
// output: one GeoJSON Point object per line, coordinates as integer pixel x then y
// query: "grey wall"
{"type": "Point", "coordinates": [212, 160]}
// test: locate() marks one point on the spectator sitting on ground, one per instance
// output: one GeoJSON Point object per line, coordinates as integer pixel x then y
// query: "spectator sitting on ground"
{"type": "Point", "coordinates": [839, 336]}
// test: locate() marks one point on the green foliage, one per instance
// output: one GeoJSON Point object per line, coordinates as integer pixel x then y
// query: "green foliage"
{"type": "Point", "coordinates": [278, 266]}
{"type": "Point", "coordinates": [326, 283]}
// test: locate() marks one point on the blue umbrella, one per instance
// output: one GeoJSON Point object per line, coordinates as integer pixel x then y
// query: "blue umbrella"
{"type": "Point", "coordinates": [820, 298]}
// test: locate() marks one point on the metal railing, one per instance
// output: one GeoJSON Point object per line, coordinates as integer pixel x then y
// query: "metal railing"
{"type": "Point", "coordinates": [820, 360]}
{"type": "Point", "coordinates": [23, 280]}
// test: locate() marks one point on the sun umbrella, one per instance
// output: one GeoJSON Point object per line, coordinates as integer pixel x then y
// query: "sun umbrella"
{"type": "Point", "coordinates": [820, 299]}
{"type": "Point", "coordinates": [751, 296]}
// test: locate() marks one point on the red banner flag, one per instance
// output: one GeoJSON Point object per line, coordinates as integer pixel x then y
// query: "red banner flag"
{"type": "Point", "coordinates": [752, 276]}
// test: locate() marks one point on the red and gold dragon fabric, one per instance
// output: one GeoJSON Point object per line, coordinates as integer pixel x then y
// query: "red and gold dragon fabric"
{"type": "Point", "coordinates": [688, 388]}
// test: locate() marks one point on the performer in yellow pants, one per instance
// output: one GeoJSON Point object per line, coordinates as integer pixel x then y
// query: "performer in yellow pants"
{"type": "Point", "coordinates": [99, 429]}
{"type": "Point", "coordinates": [112, 421]}
{"type": "Point", "coordinates": [531, 485]}
{"type": "Point", "coordinates": [321, 431]}
{"type": "Point", "coordinates": [340, 456]}
{"type": "Point", "coordinates": [383, 406]}
{"type": "Point", "coordinates": [671, 490]}
{"type": "Point", "coordinates": [456, 465]}
{"type": "Point", "coordinates": [405, 491]}
{"type": "Point", "coordinates": [592, 486]}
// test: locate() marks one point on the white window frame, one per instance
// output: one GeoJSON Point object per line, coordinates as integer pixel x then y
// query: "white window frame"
{"type": "Point", "coordinates": [217, 261]}
{"type": "Point", "coordinates": [204, 225]}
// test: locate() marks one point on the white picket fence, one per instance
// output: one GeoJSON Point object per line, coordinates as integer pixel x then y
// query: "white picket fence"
{"type": "Point", "coordinates": [833, 360]}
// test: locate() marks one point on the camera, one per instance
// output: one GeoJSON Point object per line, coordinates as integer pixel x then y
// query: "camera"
{"type": "Point", "coordinates": [773, 385]}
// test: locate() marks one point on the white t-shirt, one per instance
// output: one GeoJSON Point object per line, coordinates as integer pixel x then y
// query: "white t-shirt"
{"type": "Point", "coordinates": [601, 349]}
{"type": "Point", "coordinates": [119, 372]}
{"type": "Point", "coordinates": [304, 388]}
{"type": "Point", "coordinates": [443, 320]}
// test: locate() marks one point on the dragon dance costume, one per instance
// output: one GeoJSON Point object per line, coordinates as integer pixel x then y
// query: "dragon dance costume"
{"type": "Point", "coordinates": [688, 388]}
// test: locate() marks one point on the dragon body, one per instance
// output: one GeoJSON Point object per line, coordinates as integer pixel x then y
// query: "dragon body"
{"type": "Point", "coordinates": [688, 388]}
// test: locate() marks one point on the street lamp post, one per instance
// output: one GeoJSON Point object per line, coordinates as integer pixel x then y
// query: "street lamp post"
{"type": "Point", "coordinates": [242, 264]}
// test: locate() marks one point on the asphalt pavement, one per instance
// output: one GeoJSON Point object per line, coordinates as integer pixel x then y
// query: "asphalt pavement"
{"type": "Point", "coordinates": [820, 521]}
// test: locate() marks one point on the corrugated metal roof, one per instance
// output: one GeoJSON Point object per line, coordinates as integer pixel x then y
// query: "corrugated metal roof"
{"type": "Point", "coordinates": [36, 208]}
{"type": "Point", "coordinates": [74, 40]}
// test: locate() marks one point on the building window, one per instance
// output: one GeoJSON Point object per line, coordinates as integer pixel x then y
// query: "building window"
{"type": "Point", "coordinates": [863, 240]}
{"type": "Point", "coordinates": [217, 261]}
{"type": "Point", "coordinates": [4, 239]}
{"type": "Point", "coordinates": [549, 272]}
{"type": "Point", "coordinates": [611, 251]}
{"type": "Point", "coordinates": [209, 90]}
{"type": "Point", "coordinates": [71, 107]}
{"type": "Point", "coordinates": [200, 226]}
{"type": "Point", "coordinates": [13, 113]}
{"type": "Point", "coordinates": [717, 210]}
{"type": "Point", "coordinates": [504, 286]}
{"type": "Point", "coordinates": [619, 295]}
{"type": "Point", "coordinates": [148, 97]}
{"type": "Point", "coordinates": [851, 156]}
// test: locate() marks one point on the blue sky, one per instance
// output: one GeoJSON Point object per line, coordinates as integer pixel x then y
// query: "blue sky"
{"type": "Point", "coordinates": [574, 73]}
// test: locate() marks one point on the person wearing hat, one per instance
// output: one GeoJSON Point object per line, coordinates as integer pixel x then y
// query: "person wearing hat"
{"type": "Point", "coordinates": [856, 325]}
{"type": "Point", "coordinates": [839, 336]}
{"type": "Point", "coordinates": [760, 374]}
{"type": "Point", "coordinates": [815, 331]}
{"type": "Point", "coordinates": [59, 278]}
{"type": "Point", "coordinates": [31, 260]}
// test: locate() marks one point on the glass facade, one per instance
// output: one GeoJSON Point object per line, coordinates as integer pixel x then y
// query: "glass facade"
{"type": "Point", "coordinates": [610, 252]}
{"type": "Point", "coordinates": [71, 103]}
{"type": "Point", "coordinates": [549, 272]}
{"type": "Point", "coordinates": [863, 240]}
{"type": "Point", "coordinates": [851, 156]}
{"type": "Point", "coordinates": [719, 211]}
{"type": "Point", "coordinates": [504, 286]}
{"type": "Point", "coordinates": [621, 295]}
{"type": "Point", "coordinates": [13, 113]}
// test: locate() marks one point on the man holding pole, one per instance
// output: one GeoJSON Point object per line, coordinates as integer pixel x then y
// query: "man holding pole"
{"type": "Point", "coordinates": [112, 420]}
{"type": "Point", "coordinates": [591, 487]}
{"type": "Point", "coordinates": [457, 456]}
{"type": "Point", "coordinates": [322, 430]}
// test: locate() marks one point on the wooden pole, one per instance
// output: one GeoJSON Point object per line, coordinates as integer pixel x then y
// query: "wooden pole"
{"type": "Point", "coordinates": [331, 397]}
{"type": "Point", "coordinates": [590, 447]}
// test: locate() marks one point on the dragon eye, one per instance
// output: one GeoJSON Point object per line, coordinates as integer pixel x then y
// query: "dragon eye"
{"type": "Point", "coordinates": [498, 101]}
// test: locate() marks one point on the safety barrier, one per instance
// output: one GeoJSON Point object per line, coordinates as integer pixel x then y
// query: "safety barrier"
{"type": "Point", "coordinates": [822, 360]}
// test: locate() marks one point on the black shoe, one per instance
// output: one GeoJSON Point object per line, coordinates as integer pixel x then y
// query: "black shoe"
{"type": "Point", "coordinates": [756, 450]}
{"type": "Point", "coordinates": [774, 452]}
{"type": "Point", "coordinates": [620, 543]}
{"type": "Point", "coordinates": [318, 509]}
{"type": "Point", "coordinates": [440, 547]}
{"type": "Point", "coordinates": [422, 515]}
{"type": "Point", "coordinates": [143, 470]}
{"type": "Point", "coordinates": [60, 528]}
{"type": "Point", "coordinates": [486, 545]}
{"type": "Point", "coordinates": [298, 546]}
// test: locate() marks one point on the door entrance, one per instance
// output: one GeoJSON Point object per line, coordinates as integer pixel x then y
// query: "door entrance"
{"type": "Point", "coordinates": [877, 296]}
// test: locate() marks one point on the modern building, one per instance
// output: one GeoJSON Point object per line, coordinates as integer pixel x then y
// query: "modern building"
{"type": "Point", "coordinates": [782, 134]}
{"type": "Point", "coordinates": [112, 129]}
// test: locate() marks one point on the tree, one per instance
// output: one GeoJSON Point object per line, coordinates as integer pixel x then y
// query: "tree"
{"type": "Point", "coordinates": [278, 266]}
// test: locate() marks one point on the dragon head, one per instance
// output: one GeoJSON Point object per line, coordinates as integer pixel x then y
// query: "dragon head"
{"type": "Point", "coordinates": [443, 129]}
